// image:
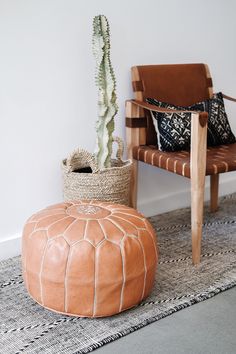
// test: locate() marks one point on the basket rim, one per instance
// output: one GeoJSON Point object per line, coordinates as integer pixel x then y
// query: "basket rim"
{"type": "Point", "coordinates": [126, 163]}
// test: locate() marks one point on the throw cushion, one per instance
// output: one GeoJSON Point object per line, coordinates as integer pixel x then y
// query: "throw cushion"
{"type": "Point", "coordinates": [174, 129]}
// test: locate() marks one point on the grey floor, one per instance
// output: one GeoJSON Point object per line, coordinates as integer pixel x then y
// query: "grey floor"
{"type": "Point", "coordinates": [205, 328]}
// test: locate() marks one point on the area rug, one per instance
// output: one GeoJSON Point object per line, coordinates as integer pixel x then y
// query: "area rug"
{"type": "Point", "coordinates": [25, 327]}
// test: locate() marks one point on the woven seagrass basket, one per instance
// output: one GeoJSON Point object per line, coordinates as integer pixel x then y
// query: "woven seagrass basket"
{"type": "Point", "coordinates": [109, 184]}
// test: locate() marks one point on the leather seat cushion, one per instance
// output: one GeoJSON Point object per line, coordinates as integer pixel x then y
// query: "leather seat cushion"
{"type": "Point", "coordinates": [220, 159]}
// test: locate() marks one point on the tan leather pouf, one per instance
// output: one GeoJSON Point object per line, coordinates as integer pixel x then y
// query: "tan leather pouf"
{"type": "Point", "coordinates": [88, 258]}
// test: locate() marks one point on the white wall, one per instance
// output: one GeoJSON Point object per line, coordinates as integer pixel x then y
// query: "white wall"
{"type": "Point", "coordinates": [48, 96]}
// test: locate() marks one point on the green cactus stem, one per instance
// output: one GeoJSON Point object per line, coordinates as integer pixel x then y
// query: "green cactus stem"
{"type": "Point", "coordinates": [106, 83]}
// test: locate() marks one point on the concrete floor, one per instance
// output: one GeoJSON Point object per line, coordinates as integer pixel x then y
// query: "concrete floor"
{"type": "Point", "coordinates": [205, 328]}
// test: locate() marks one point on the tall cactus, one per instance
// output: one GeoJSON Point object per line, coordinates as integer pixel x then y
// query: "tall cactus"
{"type": "Point", "coordinates": [106, 83]}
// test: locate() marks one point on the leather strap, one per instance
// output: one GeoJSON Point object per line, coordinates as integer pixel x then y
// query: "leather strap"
{"type": "Point", "coordinates": [151, 107]}
{"type": "Point", "coordinates": [137, 86]}
{"type": "Point", "coordinates": [229, 98]}
{"type": "Point", "coordinates": [140, 122]}
{"type": "Point", "coordinates": [203, 116]}
{"type": "Point", "coordinates": [209, 82]}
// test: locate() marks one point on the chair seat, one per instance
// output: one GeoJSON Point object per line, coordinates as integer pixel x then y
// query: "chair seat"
{"type": "Point", "coordinates": [220, 159]}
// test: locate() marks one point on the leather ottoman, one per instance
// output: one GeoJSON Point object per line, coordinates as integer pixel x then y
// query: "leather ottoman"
{"type": "Point", "coordinates": [88, 258]}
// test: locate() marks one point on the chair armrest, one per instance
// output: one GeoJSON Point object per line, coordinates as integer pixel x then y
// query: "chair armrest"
{"type": "Point", "coordinates": [229, 98]}
{"type": "Point", "coordinates": [203, 116]}
{"type": "Point", "coordinates": [151, 107]}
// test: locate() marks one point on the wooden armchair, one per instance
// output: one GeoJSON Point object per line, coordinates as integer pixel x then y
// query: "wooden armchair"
{"type": "Point", "coordinates": [182, 85]}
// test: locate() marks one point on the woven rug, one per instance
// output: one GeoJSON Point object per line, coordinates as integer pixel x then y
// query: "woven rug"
{"type": "Point", "coordinates": [25, 327]}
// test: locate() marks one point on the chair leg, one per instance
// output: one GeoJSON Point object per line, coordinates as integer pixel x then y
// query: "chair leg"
{"type": "Point", "coordinates": [197, 202]}
{"type": "Point", "coordinates": [214, 192]}
{"type": "Point", "coordinates": [198, 172]}
{"type": "Point", "coordinates": [134, 185]}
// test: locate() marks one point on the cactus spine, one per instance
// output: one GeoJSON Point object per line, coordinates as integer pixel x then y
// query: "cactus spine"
{"type": "Point", "coordinates": [106, 83]}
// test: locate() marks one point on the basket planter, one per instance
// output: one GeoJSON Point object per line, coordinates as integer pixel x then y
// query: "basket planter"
{"type": "Point", "coordinates": [109, 184]}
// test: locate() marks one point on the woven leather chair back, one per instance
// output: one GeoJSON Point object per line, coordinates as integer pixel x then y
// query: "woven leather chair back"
{"type": "Point", "coordinates": [180, 84]}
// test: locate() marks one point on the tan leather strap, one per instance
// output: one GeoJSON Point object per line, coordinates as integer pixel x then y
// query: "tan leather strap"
{"type": "Point", "coordinates": [154, 108]}
{"type": "Point", "coordinates": [140, 122]}
{"type": "Point", "coordinates": [229, 98]}
{"type": "Point", "coordinates": [203, 116]}
{"type": "Point", "coordinates": [209, 82]}
{"type": "Point", "coordinates": [137, 86]}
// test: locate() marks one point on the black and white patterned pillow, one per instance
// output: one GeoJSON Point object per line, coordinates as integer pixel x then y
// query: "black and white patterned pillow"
{"type": "Point", "coordinates": [174, 129]}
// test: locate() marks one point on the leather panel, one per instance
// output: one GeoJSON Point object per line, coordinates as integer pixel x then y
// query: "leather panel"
{"type": "Point", "coordinates": [179, 84]}
{"type": "Point", "coordinates": [52, 274]}
{"type": "Point", "coordinates": [109, 279]}
{"type": "Point", "coordinates": [134, 263]}
{"type": "Point", "coordinates": [34, 251]}
{"type": "Point", "coordinates": [79, 280]}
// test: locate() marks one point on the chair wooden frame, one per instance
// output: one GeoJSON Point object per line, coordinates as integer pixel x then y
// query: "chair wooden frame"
{"type": "Point", "coordinates": [136, 136]}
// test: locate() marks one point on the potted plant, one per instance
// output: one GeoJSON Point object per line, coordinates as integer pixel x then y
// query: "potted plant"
{"type": "Point", "coordinates": [99, 176]}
